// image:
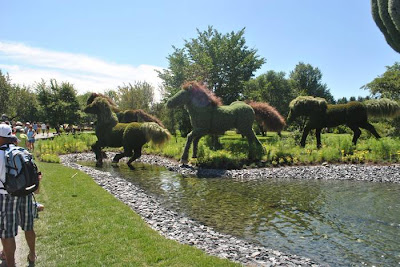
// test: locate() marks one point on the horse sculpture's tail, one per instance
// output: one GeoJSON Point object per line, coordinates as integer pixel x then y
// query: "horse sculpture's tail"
{"type": "Point", "coordinates": [155, 133]}
{"type": "Point", "coordinates": [268, 116]}
{"type": "Point", "coordinates": [382, 108]}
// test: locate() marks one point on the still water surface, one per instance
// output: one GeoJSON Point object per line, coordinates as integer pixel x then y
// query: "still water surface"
{"type": "Point", "coordinates": [332, 222]}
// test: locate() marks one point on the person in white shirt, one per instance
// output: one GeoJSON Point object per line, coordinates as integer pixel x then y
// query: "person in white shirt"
{"type": "Point", "coordinates": [14, 210]}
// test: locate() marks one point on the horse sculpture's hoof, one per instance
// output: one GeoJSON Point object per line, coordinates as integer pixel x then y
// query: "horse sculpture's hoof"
{"type": "Point", "coordinates": [184, 161]}
{"type": "Point", "coordinates": [131, 167]}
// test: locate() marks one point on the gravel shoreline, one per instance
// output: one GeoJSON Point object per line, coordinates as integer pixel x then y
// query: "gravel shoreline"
{"type": "Point", "coordinates": [184, 230]}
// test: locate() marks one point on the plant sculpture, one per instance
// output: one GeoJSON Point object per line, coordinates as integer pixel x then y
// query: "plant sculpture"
{"type": "Point", "coordinates": [353, 114]}
{"type": "Point", "coordinates": [386, 14]}
{"type": "Point", "coordinates": [131, 136]}
{"type": "Point", "coordinates": [130, 115]}
{"type": "Point", "coordinates": [268, 117]}
{"type": "Point", "coordinates": [209, 116]}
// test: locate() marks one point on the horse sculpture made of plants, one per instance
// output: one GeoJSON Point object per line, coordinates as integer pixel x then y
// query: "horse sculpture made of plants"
{"type": "Point", "coordinates": [353, 114]}
{"type": "Point", "coordinates": [209, 116]}
{"type": "Point", "coordinates": [131, 136]}
{"type": "Point", "coordinates": [130, 115]}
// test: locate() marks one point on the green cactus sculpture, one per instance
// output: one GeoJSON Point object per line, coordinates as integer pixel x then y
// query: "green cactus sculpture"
{"type": "Point", "coordinates": [386, 16]}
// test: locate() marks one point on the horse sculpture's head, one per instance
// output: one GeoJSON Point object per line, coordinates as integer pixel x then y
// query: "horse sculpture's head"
{"type": "Point", "coordinates": [193, 93]}
{"type": "Point", "coordinates": [306, 106]}
{"type": "Point", "coordinates": [93, 96]}
{"type": "Point", "coordinates": [101, 107]}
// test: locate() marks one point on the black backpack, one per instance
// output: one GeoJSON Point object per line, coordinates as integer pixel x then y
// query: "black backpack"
{"type": "Point", "coordinates": [22, 175]}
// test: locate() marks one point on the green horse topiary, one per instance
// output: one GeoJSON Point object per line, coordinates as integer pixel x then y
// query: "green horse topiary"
{"type": "Point", "coordinates": [131, 136]}
{"type": "Point", "coordinates": [209, 116]}
{"type": "Point", "coordinates": [353, 114]}
{"type": "Point", "coordinates": [130, 115]}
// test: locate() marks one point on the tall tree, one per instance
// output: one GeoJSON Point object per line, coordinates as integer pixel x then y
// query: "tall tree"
{"type": "Point", "coordinates": [307, 80]}
{"type": "Point", "coordinates": [5, 89]}
{"type": "Point", "coordinates": [58, 102]}
{"type": "Point", "coordinates": [23, 104]}
{"type": "Point", "coordinates": [271, 87]}
{"type": "Point", "coordinates": [223, 61]}
{"type": "Point", "coordinates": [386, 85]}
{"type": "Point", "coordinates": [140, 95]}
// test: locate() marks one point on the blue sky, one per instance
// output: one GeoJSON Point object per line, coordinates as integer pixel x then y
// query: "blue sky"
{"type": "Point", "coordinates": [98, 45]}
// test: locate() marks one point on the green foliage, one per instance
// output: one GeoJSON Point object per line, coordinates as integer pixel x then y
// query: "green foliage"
{"type": "Point", "coordinates": [65, 144]}
{"type": "Point", "coordinates": [140, 95]}
{"type": "Point", "coordinates": [58, 103]}
{"type": "Point", "coordinates": [5, 90]}
{"type": "Point", "coordinates": [307, 80]}
{"type": "Point", "coordinates": [50, 158]}
{"type": "Point", "coordinates": [224, 61]}
{"type": "Point", "coordinates": [337, 148]}
{"type": "Point", "coordinates": [271, 87]}
{"type": "Point", "coordinates": [386, 16]}
{"type": "Point", "coordinates": [386, 85]}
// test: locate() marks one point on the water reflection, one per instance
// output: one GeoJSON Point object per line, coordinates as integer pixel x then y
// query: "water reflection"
{"type": "Point", "coordinates": [334, 222]}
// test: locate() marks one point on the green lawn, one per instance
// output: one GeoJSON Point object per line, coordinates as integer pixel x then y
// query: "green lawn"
{"type": "Point", "coordinates": [95, 229]}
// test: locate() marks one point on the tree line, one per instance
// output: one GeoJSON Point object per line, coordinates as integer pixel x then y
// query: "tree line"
{"type": "Point", "coordinates": [223, 61]}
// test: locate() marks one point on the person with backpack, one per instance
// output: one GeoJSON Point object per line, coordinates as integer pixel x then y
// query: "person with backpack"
{"type": "Point", "coordinates": [15, 209]}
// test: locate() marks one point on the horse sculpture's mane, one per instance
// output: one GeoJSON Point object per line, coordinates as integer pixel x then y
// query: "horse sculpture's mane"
{"type": "Point", "coordinates": [268, 116]}
{"type": "Point", "coordinates": [201, 94]}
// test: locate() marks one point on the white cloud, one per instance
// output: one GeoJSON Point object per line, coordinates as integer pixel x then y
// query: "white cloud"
{"type": "Point", "coordinates": [27, 65]}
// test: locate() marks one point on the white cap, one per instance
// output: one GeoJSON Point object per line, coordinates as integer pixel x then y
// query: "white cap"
{"type": "Point", "coordinates": [5, 130]}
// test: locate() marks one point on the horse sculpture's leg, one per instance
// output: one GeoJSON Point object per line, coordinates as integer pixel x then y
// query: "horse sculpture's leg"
{"type": "Point", "coordinates": [195, 145]}
{"type": "Point", "coordinates": [99, 156]}
{"type": "Point", "coordinates": [371, 129]}
{"type": "Point", "coordinates": [137, 153]}
{"type": "Point", "coordinates": [119, 156]}
{"type": "Point", "coordinates": [357, 133]}
{"type": "Point", "coordinates": [253, 141]}
{"type": "Point", "coordinates": [318, 136]}
{"type": "Point", "coordinates": [185, 155]}
{"type": "Point", "coordinates": [306, 130]}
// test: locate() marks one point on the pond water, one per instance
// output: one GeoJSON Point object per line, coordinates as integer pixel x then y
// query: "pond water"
{"type": "Point", "coordinates": [331, 222]}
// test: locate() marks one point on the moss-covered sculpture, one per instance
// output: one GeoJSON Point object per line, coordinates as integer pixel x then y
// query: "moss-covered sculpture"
{"type": "Point", "coordinates": [268, 117]}
{"type": "Point", "coordinates": [130, 115]}
{"type": "Point", "coordinates": [353, 114]}
{"type": "Point", "coordinates": [209, 116]}
{"type": "Point", "coordinates": [131, 136]}
{"type": "Point", "coordinates": [386, 14]}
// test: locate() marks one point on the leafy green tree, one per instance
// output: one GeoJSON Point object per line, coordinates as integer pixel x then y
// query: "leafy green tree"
{"type": "Point", "coordinates": [58, 103]}
{"type": "Point", "coordinates": [386, 85]}
{"type": "Point", "coordinates": [23, 104]}
{"type": "Point", "coordinates": [5, 89]}
{"type": "Point", "coordinates": [271, 87]}
{"type": "Point", "coordinates": [140, 95]}
{"type": "Point", "coordinates": [307, 80]}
